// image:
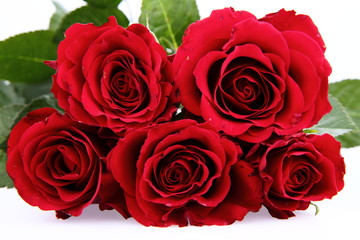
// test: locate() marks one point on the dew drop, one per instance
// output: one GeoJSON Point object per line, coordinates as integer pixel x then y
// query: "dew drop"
{"type": "Point", "coordinates": [296, 118]}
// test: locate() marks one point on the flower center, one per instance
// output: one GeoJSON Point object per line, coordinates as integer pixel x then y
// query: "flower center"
{"type": "Point", "coordinates": [124, 82]}
{"type": "Point", "coordinates": [182, 172]}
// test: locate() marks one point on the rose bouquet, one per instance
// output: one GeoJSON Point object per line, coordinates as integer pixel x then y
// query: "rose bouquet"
{"type": "Point", "coordinates": [174, 120]}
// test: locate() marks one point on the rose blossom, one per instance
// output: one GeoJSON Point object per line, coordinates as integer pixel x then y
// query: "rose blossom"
{"type": "Point", "coordinates": [298, 169]}
{"type": "Point", "coordinates": [181, 173]}
{"type": "Point", "coordinates": [252, 77]}
{"type": "Point", "coordinates": [59, 164]}
{"type": "Point", "coordinates": [113, 77]}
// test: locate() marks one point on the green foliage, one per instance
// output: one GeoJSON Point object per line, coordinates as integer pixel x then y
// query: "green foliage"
{"type": "Point", "coordinates": [31, 91]}
{"type": "Point", "coordinates": [348, 94]}
{"type": "Point", "coordinates": [37, 103]}
{"type": "Point", "coordinates": [12, 113]}
{"type": "Point", "coordinates": [8, 117]}
{"type": "Point", "coordinates": [337, 122]}
{"type": "Point", "coordinates": [57, 17]}
{"type": "Point", "coordinates": [12, 108]}
{"type": "Point", "coordinates": [5, 180]}
{"type": "Point", "coordinates": [8, 94]}
{"type": "Point", "coordinates": [89, 14]}
{"type": "Point", "coordinates": [168, 19]}
{"type": "Point", "coordinates": [16, 100]}
{"type": "Point", "coordinates": [22, 57]}
{"type": "Point", "coordinates": [103, 3]}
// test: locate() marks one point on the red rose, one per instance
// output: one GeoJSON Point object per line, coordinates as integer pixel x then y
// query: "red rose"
{"type": "Point", "coordinates": [252, 77]}
{"type": "Point", "coordinates": [182, 173]}
{"type": "Point", "coordinates": [57, 163]}
{"type": "Point", "coordinates": [113, 77]}
{"type": "Point", "coordinates": [298, 169]}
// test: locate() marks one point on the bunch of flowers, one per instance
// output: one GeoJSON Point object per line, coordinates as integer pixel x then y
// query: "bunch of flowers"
{"type": "Point", "coordinates": [201, 137]}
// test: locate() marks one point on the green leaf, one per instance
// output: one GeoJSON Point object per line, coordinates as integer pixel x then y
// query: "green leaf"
{"type": "Point", "coordinates": [8, 116]}
{"type": "Point", "coordinates": [168, 19]}
{"type": "Point", "coordinates": [5, 180]}
{"type": "Point", "coordinates": [89, 14]}
{"type": "Point", "coordinates": [37, 103]}
{"type": "Point", "coordinates": [57, 17]}
{"type": "Point", "coordinates": [350, 139]}
{"type": "Point", "coordinates": [11, 114]}
{"type": "Point", "coordinates": [8, 94]}
{"type": "Point", "coordinates": [31, 91]}
{"type": "Point", "coordinates": [337, 122]}
{"type": "Point", "coordinates": [103, 3]}
{"type": "Point", "coordinates": [348, 94]}
{"type": "Point", "coordinates": [22, 57]}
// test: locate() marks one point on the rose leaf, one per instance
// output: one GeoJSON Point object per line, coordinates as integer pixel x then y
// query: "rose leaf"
{"type": "Point", "coordinates": [12, 113]}
{"type": "Point", "coordinates": [57, 17]}
{"type": "Point", "coordinates": [336, 123]}
{"type": "Point", "coordinates": [37, 103]}
{"type": "Point", "coordinates": [89, 14]}
{"type": "Point", "coordinates": [8, 94]}
{"type": "Point", "coordinates": [32, 91]}
{"type": "Point", "coordinates": [5, 180]}
{"type": "Point", "coordinates": [348, 94]}
{"type": "Point", "coordinates": [22, 57]}
{"type": "Point", "coordinates": [168, 19]}
{"type": "Point", "coordinates": [8, 114]}
{"type": "Point", "coordinates": [103, 3]}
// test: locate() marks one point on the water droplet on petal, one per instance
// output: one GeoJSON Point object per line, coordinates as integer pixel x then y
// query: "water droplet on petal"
{"type": "Point", "coordinates": [296, 118]}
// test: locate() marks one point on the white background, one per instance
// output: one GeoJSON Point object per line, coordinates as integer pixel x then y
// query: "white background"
{"type": "Point", "coordinates": [339, 25]}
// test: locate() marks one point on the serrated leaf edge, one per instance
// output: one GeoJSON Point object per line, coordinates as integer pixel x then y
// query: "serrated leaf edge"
{"type": "Point", "coordinates": [347, 116]}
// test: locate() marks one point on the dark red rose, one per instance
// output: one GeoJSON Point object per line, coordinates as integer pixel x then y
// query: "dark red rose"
{"type": "Point", "coordinates": [252, 77]}
{"type": "Point", "coordinates": [298, 169]}
{"type": "Point", "coordinates": [58, 164]}
{"type": "Point", "coordinates": [181, 173]}
{"type": "Point", "coordinates": [114, 77]}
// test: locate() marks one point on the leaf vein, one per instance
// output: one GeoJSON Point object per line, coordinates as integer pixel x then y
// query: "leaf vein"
{"type": "Point", "coordinates": [168, 25]}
